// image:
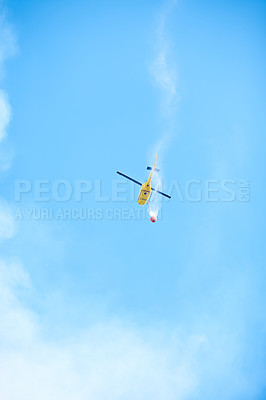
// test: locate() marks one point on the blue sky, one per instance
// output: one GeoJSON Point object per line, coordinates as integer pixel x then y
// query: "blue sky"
{"type": "Point", "coordinates": [120, 308]}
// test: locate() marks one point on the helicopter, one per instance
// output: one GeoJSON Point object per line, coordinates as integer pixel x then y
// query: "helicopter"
{"type": "Point", "coordinates": [146, 188]}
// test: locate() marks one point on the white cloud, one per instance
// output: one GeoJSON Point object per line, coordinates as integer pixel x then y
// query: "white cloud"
{"type": "Point", "coordinates": [113, 359]}
{"type": "Point", "coordinates": [5, 114]}
{"type": "Point", "coordinates": [7, 40]}
{"type": "Point", "coordinates": [7, 224]}
{"type": "Point", "coordinates": [107, 361]}
{"type": "Point", "coordinates": [116, 360]}
{"type": "Point", "coordinates": [16, 326]}
{"type": "Point", "coordinates": [7, 49]}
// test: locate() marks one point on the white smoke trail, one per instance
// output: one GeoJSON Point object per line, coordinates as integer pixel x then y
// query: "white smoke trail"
{"type": "Point", "coordinates": [164, 74]}
{"type": "Point", "coordinates": [155, 201]}
{"type": "Point", "coordinates": [163, 69]}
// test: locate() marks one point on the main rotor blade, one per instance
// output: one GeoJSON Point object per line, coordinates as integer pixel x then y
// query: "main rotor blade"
{"type": "Point", "coordinates": [158, 191]}
{"type": "Point", "coordinates": [128, 177]}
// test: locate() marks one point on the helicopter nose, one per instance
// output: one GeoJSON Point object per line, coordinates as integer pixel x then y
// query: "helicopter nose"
{"type": "Point", "coordinates": [153, 219]}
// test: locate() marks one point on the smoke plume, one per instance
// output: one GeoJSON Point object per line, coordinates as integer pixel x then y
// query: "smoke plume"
{"type": "Point", "coordinates": [164, 75]}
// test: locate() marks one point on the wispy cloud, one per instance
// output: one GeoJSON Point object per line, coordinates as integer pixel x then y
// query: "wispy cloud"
{"type": "Point", "coordinates": [115, 359]}
{"type": "Point", "coordinates": [7, 224]}
{"type": "Point", "coordinates": [5, 114]}
{"type": "Point", "coordinates": [8, 45]}
{"type": "Point", "coordinates": [108, 360]}
{"type": "Point", "coordinates": [7, 49]}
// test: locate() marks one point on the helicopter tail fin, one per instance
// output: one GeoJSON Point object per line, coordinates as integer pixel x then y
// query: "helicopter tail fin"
{"type": "Point", "coordinates": [155, 169]}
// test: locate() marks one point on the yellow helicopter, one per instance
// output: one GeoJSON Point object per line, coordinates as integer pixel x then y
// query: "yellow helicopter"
{"type": "Point", "coordinates": [145, 190]}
